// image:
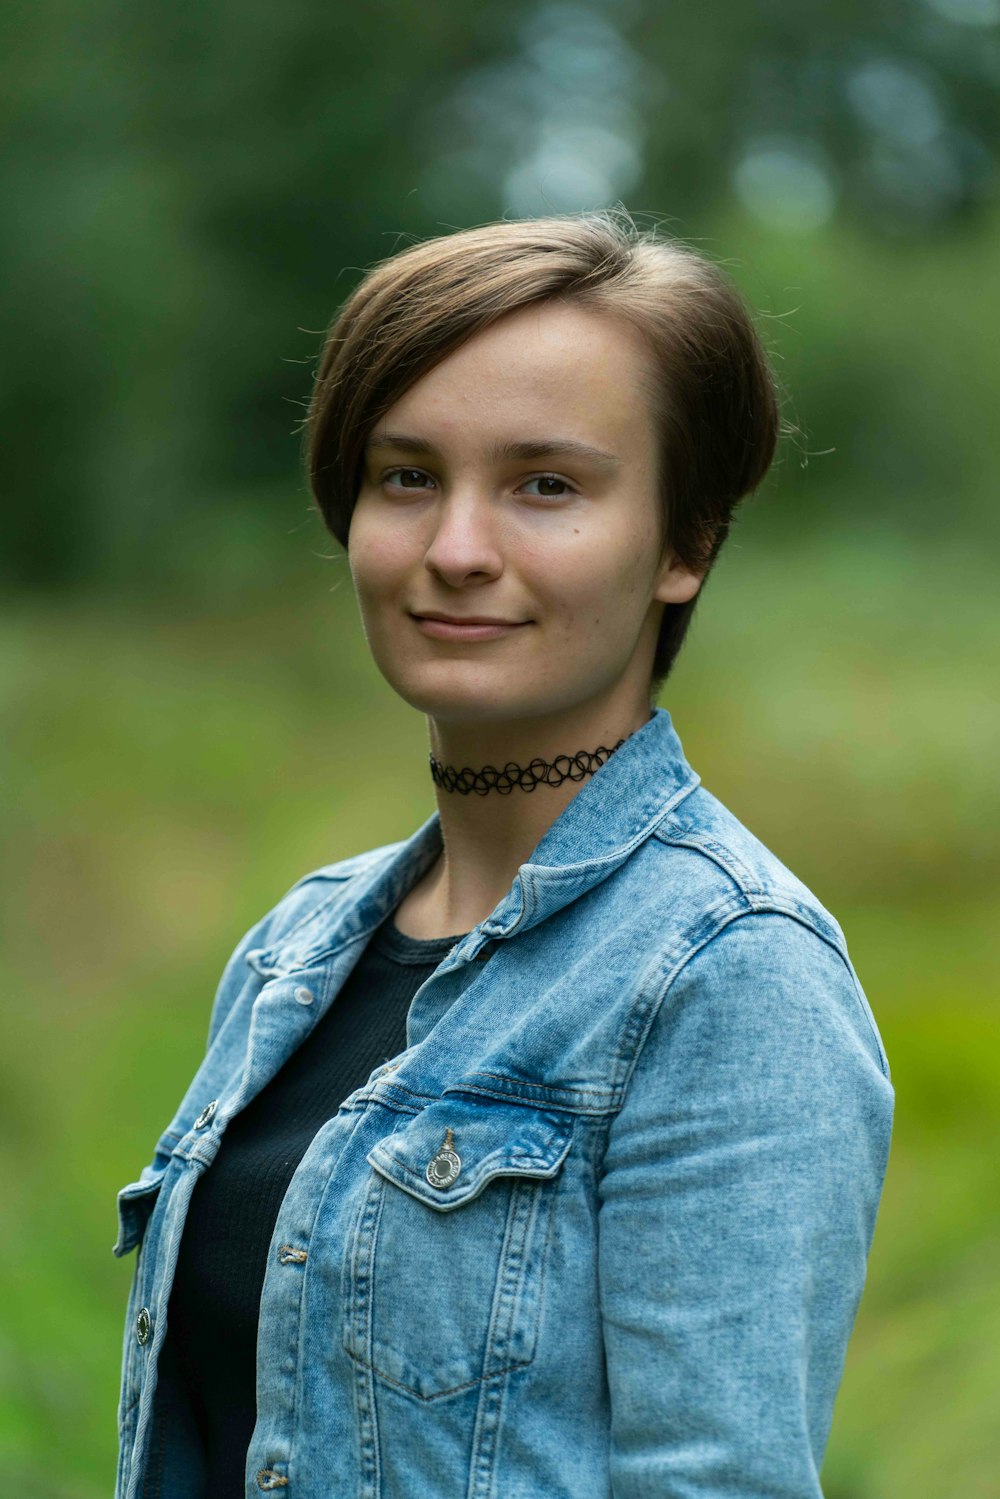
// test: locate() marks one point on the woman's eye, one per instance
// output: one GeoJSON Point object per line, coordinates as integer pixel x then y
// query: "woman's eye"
{"type": "Point", "coordinates": [553, 488]}
{"type": "Point", "coordinates": [406, 478]}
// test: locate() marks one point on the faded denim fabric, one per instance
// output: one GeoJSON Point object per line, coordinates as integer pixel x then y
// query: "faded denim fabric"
{"type": "Point", "coordinates": [671, 1109]}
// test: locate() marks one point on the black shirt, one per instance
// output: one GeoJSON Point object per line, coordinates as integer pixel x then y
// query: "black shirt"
{"type": "Point", "coordinates": [209, 1356]}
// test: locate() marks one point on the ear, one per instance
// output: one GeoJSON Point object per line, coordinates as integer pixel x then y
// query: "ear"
{"type": "Point", "coordinates": [675, 583]}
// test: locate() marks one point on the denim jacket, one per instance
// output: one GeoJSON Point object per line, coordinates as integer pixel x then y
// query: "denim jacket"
{"type": "Point", "coordinates": [601, 1229]}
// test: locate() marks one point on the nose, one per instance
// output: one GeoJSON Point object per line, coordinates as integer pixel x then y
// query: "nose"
{"type": "Point", "coordinates": [464, 543]}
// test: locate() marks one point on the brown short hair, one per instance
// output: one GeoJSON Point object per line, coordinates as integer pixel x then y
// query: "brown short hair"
{"type": "Point", "coordinates": [718, 405]}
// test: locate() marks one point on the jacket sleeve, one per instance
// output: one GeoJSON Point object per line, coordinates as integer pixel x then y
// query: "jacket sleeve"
{"type": "Point", "coordinates": [737, 1205]}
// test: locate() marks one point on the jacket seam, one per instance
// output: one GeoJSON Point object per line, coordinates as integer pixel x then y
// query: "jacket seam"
{"type": "Point", "coordinates": [720, 854]}
{"type": "Point", "coordinates": [773, 908]}
{"type": "Point", "coordinates": [514, 1156]}
{"type": "Point", "coordinates": [325, 900]}
{"type": "Point", "coordinates": [647, 823]}
{"type": "Point", "coordinates": [576, 1092]}
{"type": "Point", "coordinates": [279, 935]}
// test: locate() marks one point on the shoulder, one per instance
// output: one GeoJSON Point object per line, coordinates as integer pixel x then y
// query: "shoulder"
{"type": "Point", "coordinates": [761, 1039]}
{"type": "Point", "coordinates": [726, 859]}
{"type": "Point", "coordinates": [314, 889]}
{"type": "Point", "coordinates": [767, 985]}
{"type": "Point", "coordinates": [301, 912]}
{"type": "Point", "coordinates": [302, 903]}
{"type": "Point", "coordinates": [752, 935]}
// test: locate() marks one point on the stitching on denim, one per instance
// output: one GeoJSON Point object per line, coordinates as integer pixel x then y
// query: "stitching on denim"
{"type": "Point", "coordinates": [157, 1454]}
{"type": "Point", "coordinates": [277, 942]}
{"type": "Point", "coordinates": [452, 1389]}
{"type": "Point", "coordinates": [574, 1092]}
{"type": "Point", "coordinates": [865, 1009]}
{"type": "Point", "coordinates": [438, 1394]}
{"type": "Point", "coordinates": [541, 1093]}
{"type": "Point", "coordinates": [478, 1181]}
{"type": "Point", "coordinates": [350, 1301]}
{"type": "Point", "coordinates": [686, 836]}
{"type": "Point", "coordinates": [645, 825]}
{"type": "Point", "coordinates": [643, 1015]}
{"type": "Point", "coordinates": [364, 861]}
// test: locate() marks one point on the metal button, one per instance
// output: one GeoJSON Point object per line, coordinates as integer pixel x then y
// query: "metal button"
{"type": "Point", "coordinates": [443, 1168]}
{"type": "Point", "coordinates": [143, 1325]}
{"type": "Point", "coordinates": [289, 1255]}
{"type": "Point", "coordinates": [303, 995]}
{"type": "Point", "coordinates": [267, 1478]}
{"type": "Point", "coordinates": [206, 1114]}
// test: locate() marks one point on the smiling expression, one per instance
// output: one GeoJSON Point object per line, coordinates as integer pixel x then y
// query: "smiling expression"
{"type": "Point", "coordinates": [516, 481]}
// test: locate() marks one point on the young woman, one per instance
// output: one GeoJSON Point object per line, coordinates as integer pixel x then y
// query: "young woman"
{"type": "Point", "coordinates": [536, 1155]}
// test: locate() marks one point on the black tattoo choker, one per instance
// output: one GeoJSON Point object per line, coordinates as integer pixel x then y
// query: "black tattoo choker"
{"type": "Point", "coordinates": [537, 773]}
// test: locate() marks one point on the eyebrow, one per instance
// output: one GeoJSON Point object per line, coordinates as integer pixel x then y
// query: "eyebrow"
{"type": "Point", "coordinates": [529, 448]}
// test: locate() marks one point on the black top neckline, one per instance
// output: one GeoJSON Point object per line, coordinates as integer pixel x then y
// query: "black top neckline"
{"type": "Point", "coordinates": [392, 943]}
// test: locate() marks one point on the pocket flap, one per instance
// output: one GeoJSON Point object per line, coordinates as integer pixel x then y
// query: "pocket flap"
{"type": "Point", "coordinates": [135, 1203]}
{"type": "Point", "coordinates": [489, 1139]}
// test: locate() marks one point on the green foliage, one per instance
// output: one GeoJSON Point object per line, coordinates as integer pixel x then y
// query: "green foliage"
{"type": "Point", "coordinates": [196, 188]}
{"type": "Point", "coordinates": [178, 768]}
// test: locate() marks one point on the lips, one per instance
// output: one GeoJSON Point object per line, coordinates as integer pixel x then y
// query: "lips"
{"type": "Point", "coordinates": [468, 619]}
{"type": "Point", "coordinates": [466, 629]}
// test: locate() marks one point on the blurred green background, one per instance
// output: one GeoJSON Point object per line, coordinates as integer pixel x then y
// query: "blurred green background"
{"type": "Point", "coordinates": [191, 718]}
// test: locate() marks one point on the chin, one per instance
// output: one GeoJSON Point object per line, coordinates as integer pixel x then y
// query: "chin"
{"type": "Point", "coordinates": [480, 698]}
{"type": "Point", "coordinates": [467, 708]}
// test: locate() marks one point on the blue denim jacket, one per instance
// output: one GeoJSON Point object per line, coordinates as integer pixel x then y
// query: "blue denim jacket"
{"type": "Point", "coordinates": [601, 1229]}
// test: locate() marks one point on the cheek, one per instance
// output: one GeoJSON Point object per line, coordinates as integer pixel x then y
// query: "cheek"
{"type": "Point", "coordinates": [374, 555]}
{"type": "Point", "coordinates": [603, 583]}
{"type": "Point", "coordinates": [632, 563]}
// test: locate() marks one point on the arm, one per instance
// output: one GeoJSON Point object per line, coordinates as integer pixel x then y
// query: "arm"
{"type": "Point", "coordinates": [741, 1183]}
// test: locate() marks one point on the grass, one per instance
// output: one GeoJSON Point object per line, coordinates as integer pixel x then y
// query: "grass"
{"type": "Point", "coordinates": [175, 768]}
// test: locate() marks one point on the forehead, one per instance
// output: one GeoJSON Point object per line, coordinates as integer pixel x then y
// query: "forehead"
{"type": "Point", "coordinates": [585, 371]}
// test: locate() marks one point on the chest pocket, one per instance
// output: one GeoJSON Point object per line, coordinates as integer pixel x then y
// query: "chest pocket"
{"type": "Point", "coordinates": [443, 1273]}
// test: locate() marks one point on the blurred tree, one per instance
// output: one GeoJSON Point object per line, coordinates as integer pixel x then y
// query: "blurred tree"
{"type": "Point", "coordinates": [888, 109]}
{"type": "Point", "coordinates": [190, 182]}
{"type": "Point", "coordinates": [192, 189]}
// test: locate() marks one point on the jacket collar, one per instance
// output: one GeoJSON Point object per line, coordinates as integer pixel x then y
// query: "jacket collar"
{"type": "Point", "coordinates": [614, 811]}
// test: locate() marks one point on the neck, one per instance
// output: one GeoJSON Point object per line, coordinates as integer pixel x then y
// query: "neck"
{"type": "Point", "coordinates": [487, 837]}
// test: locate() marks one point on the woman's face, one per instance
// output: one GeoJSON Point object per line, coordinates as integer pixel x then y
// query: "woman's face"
{"type": "Point", "coordinates": [517, 480]}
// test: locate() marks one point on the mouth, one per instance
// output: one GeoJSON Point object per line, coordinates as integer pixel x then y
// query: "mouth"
{"type": "Point", "coordinates": [473, 627]}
